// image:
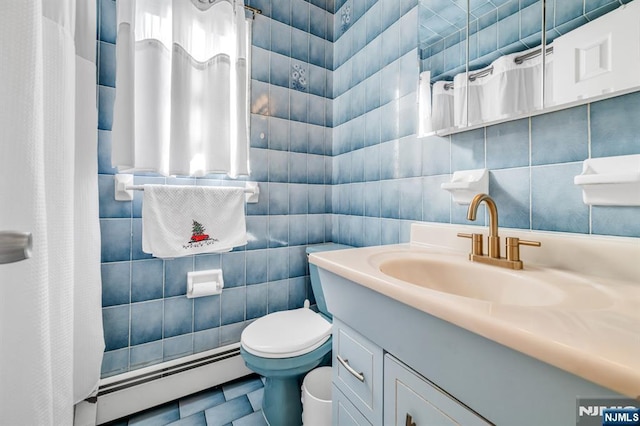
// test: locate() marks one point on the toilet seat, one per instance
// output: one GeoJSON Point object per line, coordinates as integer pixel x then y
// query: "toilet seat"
{"type": "Point", "coordinates": [286, 334]}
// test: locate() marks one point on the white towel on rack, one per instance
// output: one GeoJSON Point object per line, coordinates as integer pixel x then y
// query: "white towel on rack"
{"type": "Point", "coordinates": [183, 220]}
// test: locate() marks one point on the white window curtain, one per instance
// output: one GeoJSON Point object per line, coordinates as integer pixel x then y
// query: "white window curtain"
{"type": "Point", "coordinates": [435, 104]}
{"type": "Point", "coordinates": [514, 88]}
{"type": "Point", "coordinates": [442, 111]}
{"type": "Point", "coordinates": [51, 338]}
{"type": "Point", "coordinates": [509, 89]}
{"type": "Point", "coordinates": [467, 111]}
{"type": "Point", "coordinates": [182, 87]}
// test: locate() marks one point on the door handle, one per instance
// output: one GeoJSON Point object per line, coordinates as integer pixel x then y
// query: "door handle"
{"type": "Point", "coordinates": [15, 246]}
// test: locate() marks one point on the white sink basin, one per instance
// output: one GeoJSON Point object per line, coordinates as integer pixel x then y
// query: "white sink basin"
{"type": "Point", "coordinates": [455, 275]}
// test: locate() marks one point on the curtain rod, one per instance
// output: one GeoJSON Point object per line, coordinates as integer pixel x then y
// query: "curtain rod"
{"type": "Point", "coordinates": [518, 60]}
{"type": "Point", "coordinates": [255, 10]}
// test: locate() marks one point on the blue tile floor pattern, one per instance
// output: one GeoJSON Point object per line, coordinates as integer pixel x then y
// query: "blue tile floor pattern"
{"type": "Point", "coordinates": [236, 403]}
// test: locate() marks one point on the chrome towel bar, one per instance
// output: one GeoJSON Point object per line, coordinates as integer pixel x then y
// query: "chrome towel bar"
{"type": "Point", "coordinates": [248, 190]}
{"type": "Point", "coordinates": [124, 187]}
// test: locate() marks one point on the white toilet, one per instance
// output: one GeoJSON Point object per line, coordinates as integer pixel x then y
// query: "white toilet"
{"type": "Point", "coordinates": [284, 346]}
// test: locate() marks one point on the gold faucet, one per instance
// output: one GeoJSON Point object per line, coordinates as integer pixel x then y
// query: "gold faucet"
{"type": "Point", "coordinates": [512, 260]}
{"type": "Point", "coordinates": [494, 239]}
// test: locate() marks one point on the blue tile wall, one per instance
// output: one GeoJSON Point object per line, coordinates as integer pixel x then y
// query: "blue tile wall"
{"type": "Point", "coordinates": [508, 136]}
{"type": "Point", "coordinates": [115, 283]}
{"type": "Point", "coordinates": [556, 203]}
{"type": "Point", "coordinates": [145, 354]}
{"type": "Point", "coordinates": [146, 279]}
{"type": "Point", "coordinates": [336, 157]}
{"type": "Point", "coordinates": [147, 317]}
{"type": "Point", "coordinates": [146, 324]}
{"type": "Point", "coordinates": [615, 120]}
{"type": "Point", "coordinates": [510, 190]}
{"type": "Point", "coordinates": [559, 137]}
{"type": "Point", "coordinates": [116, 327]}
{"type": "Point", "coordinates": [394, 178]}
{"type": "Point", "coordinates": [206, 312]}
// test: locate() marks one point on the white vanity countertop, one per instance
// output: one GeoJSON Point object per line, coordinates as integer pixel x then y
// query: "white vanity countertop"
{"type": "Point", "coordinates": [597, 340]}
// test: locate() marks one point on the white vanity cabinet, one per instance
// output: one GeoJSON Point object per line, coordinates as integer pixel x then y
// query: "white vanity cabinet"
{"type": "Point", "coordinates": [410, 399]}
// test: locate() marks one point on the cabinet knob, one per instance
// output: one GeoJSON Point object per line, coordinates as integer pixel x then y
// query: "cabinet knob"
{"type": "Point", "coordinates": [409, 421]}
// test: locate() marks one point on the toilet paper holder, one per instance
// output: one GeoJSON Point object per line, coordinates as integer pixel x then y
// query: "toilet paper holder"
{"type": "Point", "coordinates": [204, 283]}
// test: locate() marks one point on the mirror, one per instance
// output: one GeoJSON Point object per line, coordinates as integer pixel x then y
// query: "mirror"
{"type": "Point", "coordinates": [592, 53]}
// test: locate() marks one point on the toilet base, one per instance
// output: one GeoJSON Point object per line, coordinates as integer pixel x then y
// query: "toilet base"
{"type": "Point", "coordinates": [281, 404]}
{"type": "Point", "coordinates": [281, 401]}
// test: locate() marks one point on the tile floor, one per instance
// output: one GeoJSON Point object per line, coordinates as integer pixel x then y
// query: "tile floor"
{"type": "Point", "coordinates": [236, 403]}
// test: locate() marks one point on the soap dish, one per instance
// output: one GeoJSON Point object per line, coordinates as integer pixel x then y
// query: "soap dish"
{"type": "Point", "coordinates": [466, 184]}
{"type": "Point", "coordinates": [610, 181]}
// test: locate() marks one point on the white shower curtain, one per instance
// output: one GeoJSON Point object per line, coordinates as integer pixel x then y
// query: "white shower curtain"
{"type": "Point", "coordinates": [51, 339]}
{"type": "Point", "coordinates": [182, 84]}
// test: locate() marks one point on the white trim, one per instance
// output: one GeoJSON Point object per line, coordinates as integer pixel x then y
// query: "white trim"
{"type": "Point", "coordinates": [164, 386]}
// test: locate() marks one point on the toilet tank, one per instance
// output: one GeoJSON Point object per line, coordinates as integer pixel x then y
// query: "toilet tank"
{"type": "Point", "coordinates": [315, 278]}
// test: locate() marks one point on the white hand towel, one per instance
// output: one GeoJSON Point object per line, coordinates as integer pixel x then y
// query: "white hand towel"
{"type": "Point", "coordinates": [183, 220]}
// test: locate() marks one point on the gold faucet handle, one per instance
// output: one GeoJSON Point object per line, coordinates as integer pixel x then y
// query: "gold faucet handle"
{"type": "Point", "coordinates": [476, 242]}
{"type": "Point", "coordinates": [513, 247]}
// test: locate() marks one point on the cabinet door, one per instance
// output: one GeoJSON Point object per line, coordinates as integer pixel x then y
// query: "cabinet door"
{"type": "Point", "coordinates": [410, 399]}
{"type": "Point", "coordinates": [357, 370]}
{"type": "Point", "coordinates": [344, 413]}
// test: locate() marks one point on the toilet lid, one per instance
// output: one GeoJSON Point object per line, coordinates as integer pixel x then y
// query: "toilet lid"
{"type": "Point", "coordinates": [286, 334]}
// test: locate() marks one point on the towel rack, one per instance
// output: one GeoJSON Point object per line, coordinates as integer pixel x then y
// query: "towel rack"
{"type": "Point", "coordinates": [247, 190]}
{"type": "Point", "coordinates": [124, 189]}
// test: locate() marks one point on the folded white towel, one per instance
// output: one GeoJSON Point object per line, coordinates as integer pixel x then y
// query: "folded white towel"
{"type": "Point", "coordinates": [182, 220]}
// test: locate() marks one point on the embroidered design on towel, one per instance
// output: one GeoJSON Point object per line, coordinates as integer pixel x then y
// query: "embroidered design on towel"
{"type": "Point", "coordinates": [198, 236]}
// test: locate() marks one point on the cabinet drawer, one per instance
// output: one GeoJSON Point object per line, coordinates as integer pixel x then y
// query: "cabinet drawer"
{"type": "Point", "coordinates": [357, 370]}
{"type": "Point", "coordinates": [344, 413]}
{"type": "Point", "coordinates": [412, 399]}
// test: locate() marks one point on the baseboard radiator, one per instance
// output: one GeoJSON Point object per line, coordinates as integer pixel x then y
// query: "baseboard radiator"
{"type": "Point", "coordinates": [131, 392]}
